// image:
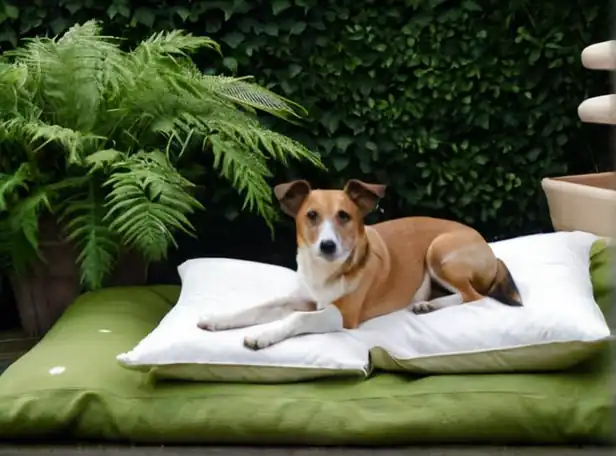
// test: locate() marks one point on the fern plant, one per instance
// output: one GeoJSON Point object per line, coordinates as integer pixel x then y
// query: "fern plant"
{"type": "Point", "coordinates": [95, 135]}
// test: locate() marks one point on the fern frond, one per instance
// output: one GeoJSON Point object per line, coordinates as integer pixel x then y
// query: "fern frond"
{"type": "Point", "coordinates": [240, 145]}
{"type": "Point", "coordinates": [148, 202]}
{"type": "Point", "coordinates": [69, 75]}
{"type": "Point", "coordinates": [10, 183]}
{"type": "Point", "coordinates": [16, 253]}
{"type": "Point", "coordinates": [248, 146]}
{"type": "Point", "coordinates": [244, 93]}
{"type": "Point", "coordinates": [13, 76]}
{"type": "Point", "coordinates": [83, 220]}
{"type": "Point", "coordinates": [282, 148]}
{"type": "Point", "coordinates": [12, 81]}
{"type": "Point", "coordinates": [37, 135]}
{"type": "Point", "coordinates": [88, 32]}
{"type": "Point", "coordinates": [247, 173]}
{"type": "Point", "coordinates": [24, 217]}
{"type": "Point", "coordinates": [101, 158]}
{"type": "Point", "coordinates": [175, 42]}
{"type": "Point", "coordinates": [70, 183]}
{"type": "Point", "coordinates": [74, 141]}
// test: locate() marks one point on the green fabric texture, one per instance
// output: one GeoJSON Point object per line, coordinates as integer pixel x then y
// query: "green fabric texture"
{"type": "Point", "coordinates": [70, 384]}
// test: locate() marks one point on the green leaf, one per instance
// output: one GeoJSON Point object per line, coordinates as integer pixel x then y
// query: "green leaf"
{"type": "Point", "coordinates": [331, 121]}
{"type": "Point", "coordinates": [8, 35]}
{"type": "Point", "coordinates": [228, 8]}
{"type": "Point", "coordinates": [483, 120]}
{"type": "Point", "coordinates": [294, 70]}
{"type": "Point", "coordinates": [534, 56]}
{"type": "Point", "coordinates": [271, 29]}
{"type": "Point", "coordinates": [233, 39]}
{"type": "Point", "coordinates": [11, 11]}
{"type": "Point", "coordinates": [144, 16]}
{"type": "Point", "coordinates": [184, 13]}
{"type": "Point", "coordinates": [59, 25]}
{"type": "Point", "coordinates": [343, 142]}
{"type": "Point", "coordinates": [279, 6]}
{"type": "Point", "coordinates": [297, 28]}
{"type": "Point", "coordinates": [340, 162]}
{"type": "Point", "coordinates": [123, 10]}
{"type": "Point", "coordinates": [73, 7]}
{"type": "Point", "coordinates": [230, 63]}
{"type": "Point", "coordinates": [112, 10]}
{"type": "Point", "coordinates": [231, 213]}
{"type": "Point", "coordinates": [471, 5]}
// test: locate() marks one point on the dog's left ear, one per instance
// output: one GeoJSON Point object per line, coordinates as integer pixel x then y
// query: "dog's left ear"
{"type": "Point", "coordinates": [364, 195]}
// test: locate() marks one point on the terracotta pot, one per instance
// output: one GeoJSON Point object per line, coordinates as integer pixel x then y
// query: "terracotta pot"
{"type": "Point", "coordinates": [50, 287]}
{"type": "Point", "coordinates": [585, 202]}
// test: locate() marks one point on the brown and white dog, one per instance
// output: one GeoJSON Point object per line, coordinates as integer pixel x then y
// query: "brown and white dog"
{"type": "Point", "coordinates": [351, 272]}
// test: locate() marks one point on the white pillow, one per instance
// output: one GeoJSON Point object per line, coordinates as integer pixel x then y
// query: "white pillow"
{"type": "Point", "coordinates": [177, 344]}
{"type": "Point", "coordinates": [559, 325]}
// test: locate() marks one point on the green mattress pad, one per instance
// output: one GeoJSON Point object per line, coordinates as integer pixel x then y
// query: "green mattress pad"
{"type": "Point", "coordinates": [71, 385]}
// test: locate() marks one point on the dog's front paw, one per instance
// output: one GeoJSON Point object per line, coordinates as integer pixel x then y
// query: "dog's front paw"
{"type": "Point", "coordinates": [422, 307]}
{"type": "Point", "coordinates": [215, 323]}
{"type": "Point", "coordinates": [261, 340]}
{"type": "Point", "coordinates": [254, 343]}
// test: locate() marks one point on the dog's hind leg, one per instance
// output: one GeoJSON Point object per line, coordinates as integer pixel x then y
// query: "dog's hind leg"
{"type": "Point", "coordinates": [267, 312]}
{"type": "Point", "coordinates": [464, 264]}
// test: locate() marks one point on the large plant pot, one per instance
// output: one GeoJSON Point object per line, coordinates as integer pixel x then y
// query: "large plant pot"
{"type": "Point", "coordinates": [50, 287]}
{"type": "Point", "coordinates": [585, 202]}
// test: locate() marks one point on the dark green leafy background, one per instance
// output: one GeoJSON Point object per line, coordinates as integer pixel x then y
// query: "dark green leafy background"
{"type": "Point", "coordinates": [460, 107]}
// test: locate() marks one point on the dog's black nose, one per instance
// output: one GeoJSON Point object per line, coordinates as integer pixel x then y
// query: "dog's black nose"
{"type": "Point", "coordinates": [327, 247]}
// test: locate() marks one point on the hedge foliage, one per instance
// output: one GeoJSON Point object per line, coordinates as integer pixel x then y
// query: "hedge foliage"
{"type": "Point", "coordinates": [460, 106]}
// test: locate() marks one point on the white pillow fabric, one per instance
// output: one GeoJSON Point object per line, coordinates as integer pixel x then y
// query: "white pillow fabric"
{"type": "Point", "coordinates": [177, 344]}
{"type": "Point", "coordinates": [559, 325]}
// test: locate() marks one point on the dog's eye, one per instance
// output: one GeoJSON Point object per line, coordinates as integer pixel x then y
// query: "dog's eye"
{"type": "Point", "coordinates": [312, 215]}
{"type": "Point", "coordinates": [344, 216]}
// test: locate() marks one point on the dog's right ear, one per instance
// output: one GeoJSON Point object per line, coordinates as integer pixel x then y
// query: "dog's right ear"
{"type": "Point", "coordinates": [291, 195]}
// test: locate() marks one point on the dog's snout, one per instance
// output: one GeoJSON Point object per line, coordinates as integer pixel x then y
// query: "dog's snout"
{"type": "Point", "coordinates": [328, 247]}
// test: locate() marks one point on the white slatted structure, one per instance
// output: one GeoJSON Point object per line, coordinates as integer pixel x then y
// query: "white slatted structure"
{"type": "Point", "coordinates": [602, 109]}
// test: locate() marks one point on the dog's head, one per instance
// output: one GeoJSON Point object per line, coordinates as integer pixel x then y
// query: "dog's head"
{"type": "Point", "coordinates": [330, 223]}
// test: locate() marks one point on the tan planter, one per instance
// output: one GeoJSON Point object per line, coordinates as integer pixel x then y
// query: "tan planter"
{"type": "Point", "coordinates": [585, 202]}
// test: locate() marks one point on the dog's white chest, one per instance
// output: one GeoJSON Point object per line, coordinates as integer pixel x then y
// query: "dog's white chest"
{"type": "Point", "coordinates": [316, 278]}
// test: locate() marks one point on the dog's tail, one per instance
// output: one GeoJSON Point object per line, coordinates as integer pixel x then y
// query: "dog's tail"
{"type": "Point", "coordinates": [503, 288]}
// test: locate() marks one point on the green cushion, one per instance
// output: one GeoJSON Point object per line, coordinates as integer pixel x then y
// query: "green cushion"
{"type": "Point", "coordinates": [70, 383]}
